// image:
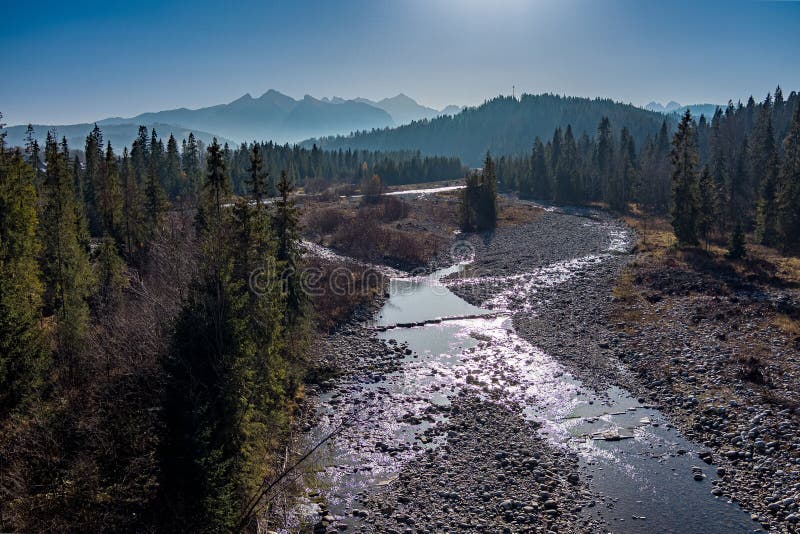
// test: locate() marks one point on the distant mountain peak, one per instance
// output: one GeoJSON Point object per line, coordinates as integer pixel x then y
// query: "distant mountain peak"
{"type": "Point", "coordinates": [244, 98]}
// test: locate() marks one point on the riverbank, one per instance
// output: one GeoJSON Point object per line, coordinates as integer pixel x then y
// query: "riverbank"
{"type": "Point", "coordinates": [716, 344]}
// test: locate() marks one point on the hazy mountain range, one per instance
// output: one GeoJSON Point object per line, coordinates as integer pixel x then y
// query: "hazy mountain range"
{"type": "Point", "coordinates": [673, 107]}
{"type": "Point", "coordinates": [272, 116]}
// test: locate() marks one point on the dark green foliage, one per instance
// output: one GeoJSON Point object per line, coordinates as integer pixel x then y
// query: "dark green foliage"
{"type": "Point", "coordinates": [708, 203]}
{"type": "Point", "coordinates": [285, 223]}
{"type": "Point", "coordinates": [789, 187]}
{"type": "Point", "coordinates": [478, 209]}
{"type": "Point", "coordinates": [132, 230]}
{"type": "Point", "coordinates": [258, 179]}
{"type": "Point", "coordinates": [110, 276]}
{"type": "Point", "coordinates": [736, 246]}
{"type": "Point", "coordinates": [91, 178]}
{"type": "Point", "coordinates": [155, 200]}
{"type": "Point", "coordinates": [229, 380]}
{"type": "Point", "coordinates": [108, 195]}
{"type": "Point", "coordinates": [22, 346]}
{"type": "Point", "coordinates": [606, 179]}
{"type": "Point", "coordinates": [174, 181]}
{"type": "Point", "coordinates": [65, 264]}
{"type": "Point", "coordinates": [685, 194]}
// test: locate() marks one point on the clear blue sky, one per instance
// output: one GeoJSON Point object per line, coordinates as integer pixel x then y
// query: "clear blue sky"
{"type": "Point", "coordinates": [66, 62]}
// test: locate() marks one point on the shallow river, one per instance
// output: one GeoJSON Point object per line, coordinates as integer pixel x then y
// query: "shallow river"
{"type": "Point", "coordinates": [629, 453]}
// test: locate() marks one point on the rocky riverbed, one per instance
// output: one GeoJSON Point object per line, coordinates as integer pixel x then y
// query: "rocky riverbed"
{"type": "Point", "coordinates": [497, 422]}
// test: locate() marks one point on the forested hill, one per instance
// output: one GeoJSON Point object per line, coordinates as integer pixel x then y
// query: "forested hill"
{"type": "Point", "coordinates": [503, 125]}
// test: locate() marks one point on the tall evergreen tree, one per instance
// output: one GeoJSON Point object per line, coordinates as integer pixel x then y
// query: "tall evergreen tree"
{"type": "Point", "coordinates": [22, 347]}
{"type": "Point", "coordinates": [132, 226]}
{"type": "Point", "coordinates": [708, 203]}
{"type": "Point", "coordinates": [258, 180]}
{"type": "Point", "coordinates": [540, 181]}
{"type": "Point", "coordinates": [155, 200]}
{"type": "Point", "coordinates": [685, 195]}
{"type": "Point", "coordinates": [767, 212]}
{"type": "Point", "coordinates": [227, 388]}
{"type": "Point", "coordinates": [605, 182]}
{"type": "Point", "coordinates": [173, 178]}
{"type": "Point", "coordinates": [92, 176]}
{"type": "Point", "coordinates": [109, 196]}
{"type": "Point", "coordinates": [65, 263]}
{"type": "Point", "coordinates": [479, 199]}
{"type": "Point", "coordinates": [789, 188]}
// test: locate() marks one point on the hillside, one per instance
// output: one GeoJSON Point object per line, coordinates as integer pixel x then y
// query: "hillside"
{"type": "Point", "coordinates": [503, 125]}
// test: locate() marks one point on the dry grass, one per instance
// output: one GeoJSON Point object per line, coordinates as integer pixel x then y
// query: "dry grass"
{"type": "Point", "coordinates": [512, 214]}
{"type": "Point", "coordinates": [627, 298]}
{"type": "Point", "coordinates": [655, 234]}
{"type": "Point", "coordinates": [787, 324]}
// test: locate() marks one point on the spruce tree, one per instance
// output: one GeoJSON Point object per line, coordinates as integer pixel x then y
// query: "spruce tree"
{"type": "Point", "coordinates": [132, 224]}
{"type": "Point", "coordinates": [708, 203]}
{"type": "Point", "coordinates": [685, 195]}
{"type": "Point", "coordinates": [109, 272]}
{"type": "Point", "coordinates": [109, 196]}
{"type": "Point", "coordinates": [33, 155]}
{"type": "Point", "coordinates": [606, 182]}
{"type": "Point", "coordinates": [736, 246]}
{"type": "Point", "coordinates": [91, 178]}
{"type": "Point", "coordinates": [22, 347]}
{"type": "Point", "coordinates": [173, 178]}
{"type": "Point", "coordinates": [228, 380]}
{"type": "Point", "coordinates": [540, 181]}
{"type": "Point", "coordinates": [789, 189]}
{"type": "Point", "coordinates": [65, 263]}
{"type": "Point", "coordinates": [567, 169]}
{"type": "Point", "coordinates": [155, 199]}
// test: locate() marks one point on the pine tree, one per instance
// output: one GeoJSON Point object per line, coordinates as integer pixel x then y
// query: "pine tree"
{"type": "Point", "coordinates": [173, 178]}
{"type": "Point", "coordinates": [286, 222]}
{"type": "Point", "coordinates": [685, 196]}
{"type": "Point", "coordinates": [228, 380]}
{"type": "Point", "coordinates": [155, 200]}
{"type": "Point", "coordinates": [140, 157]}
{"type": "Point", "coordinates": [478, 209]}
{"type": "Point", "coordinates": [789, 187]}
{"type": "Point", "coordinates": [132, 225]}
{"type": "Point", "coordinates": [258, 179]}
{"type": "Point", "coordinates": [736, 247]}
{"type": "Point", "coordinates": [626, 170]}
{"type": "Point", "coordinates": [540, 181]}
{"type": "Point", "coordinates": [91, 179]}
{"type": "Point", "coordinates": [22, 349]}
{"type": "Point", "coordinates": [217, 186]}
{"type": "Point", "coordinates": [33, 155]}
{"type": "Point", "coordinates": [708, 203]}
{"type": "Point", "coordinates": [109, 196]}
{"type": "Point", "coordinates": [191, 166]}
{"type": "Point", "coordinates": [567, 169]}
{"type": "Point", "coordinates": [65, 263]}
{"type": "Point", "coordinates": [606, 181]}
{"type": "Point", "coordinates": [767, 212]}
{"type": "Point", "coordinates": [109, 271]}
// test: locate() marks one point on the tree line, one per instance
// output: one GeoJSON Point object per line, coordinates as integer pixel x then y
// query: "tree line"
{"type": "Point", "coordinates": [737, 170]}
{"type": "Point", "coordinates": [146, 381]}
